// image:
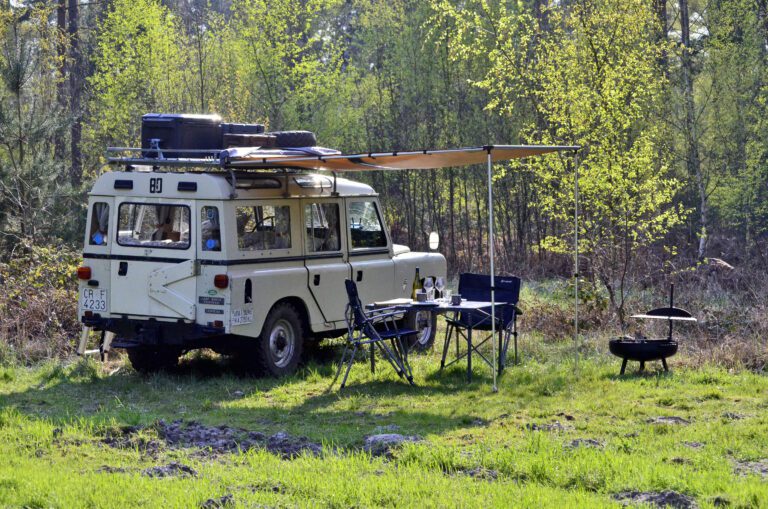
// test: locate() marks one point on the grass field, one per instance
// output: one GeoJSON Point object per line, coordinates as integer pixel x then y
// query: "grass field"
{"type": "Point", "coordinates": [519, 447]}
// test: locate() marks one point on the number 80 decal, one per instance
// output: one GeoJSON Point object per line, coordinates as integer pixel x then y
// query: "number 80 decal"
{"type": "Point", "coordinates": [155, 185]}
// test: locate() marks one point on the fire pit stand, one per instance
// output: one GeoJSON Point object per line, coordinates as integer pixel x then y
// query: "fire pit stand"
{"type": "Point", "coordinates": [644, 350]}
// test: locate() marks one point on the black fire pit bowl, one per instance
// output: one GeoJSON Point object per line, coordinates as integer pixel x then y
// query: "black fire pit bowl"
{"type": "Point", "coordinates": [642, 351]}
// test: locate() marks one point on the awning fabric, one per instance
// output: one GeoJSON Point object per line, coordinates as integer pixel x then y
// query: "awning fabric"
{"type": "Point", "coordinates": [317, 158]}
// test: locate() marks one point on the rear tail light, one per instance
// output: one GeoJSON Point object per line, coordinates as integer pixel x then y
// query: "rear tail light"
{"type": "Point", "coordinates": [88, 314]}
{"type": "Point", "coordinates": [221, 281]}
{"type": "Point", "coordinates": [84, 273]}
{"type": "Point", "coordinates": [218, 323]}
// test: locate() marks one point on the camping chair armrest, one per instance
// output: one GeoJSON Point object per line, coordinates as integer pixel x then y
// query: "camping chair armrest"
{"type": "Point", "coordinates": [380, 317]}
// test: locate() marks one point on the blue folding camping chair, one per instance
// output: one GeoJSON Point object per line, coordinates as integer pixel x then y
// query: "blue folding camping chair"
{"type": "Point", "coordinates": [477, 287]}
{"type": "Point", "coordinates": [378, 329]}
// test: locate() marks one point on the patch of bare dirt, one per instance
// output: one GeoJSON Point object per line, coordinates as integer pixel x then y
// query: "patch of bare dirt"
{"type": "Point", "coordinates": [172, 469]}
{"type": "Point", "coordinates": [289, 446]}
{"type": "Point", "coordinates": [759, 467]}
{"type": "Point", "coordinates": [210, 440]}
{"type": "Point", "coordinates": [218, 503]}
{"type": "Point", "coordinates": [661, 499]}
{"type": "Point", "coordinates": [552, 426]}
{"type": "Point", "coordinates": [668, 419]}
{"type": "Point", "coordinates": [482, 474]}
{"type": "Point", "coordinates": [585, 442]}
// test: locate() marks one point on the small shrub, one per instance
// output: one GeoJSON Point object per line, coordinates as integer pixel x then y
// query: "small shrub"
{"type": "Point", "coordinates": [38, 307]}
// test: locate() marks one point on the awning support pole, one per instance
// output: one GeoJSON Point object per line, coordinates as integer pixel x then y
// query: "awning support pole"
{"type": "Point", "coordinates": [493, 271]}
{"type": "Point", "coordinates": [576, 262]}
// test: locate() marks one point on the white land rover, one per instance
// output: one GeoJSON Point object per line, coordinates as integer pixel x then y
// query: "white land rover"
{"type": "Point", "coordinates": [250, 263]}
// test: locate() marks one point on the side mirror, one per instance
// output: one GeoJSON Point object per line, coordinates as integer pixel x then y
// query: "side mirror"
{"type": "Point", "coordinates": [434, 241]}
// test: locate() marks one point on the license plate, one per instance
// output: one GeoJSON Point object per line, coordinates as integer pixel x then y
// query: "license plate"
{"type": "Point", "coordinates": [94, 299]}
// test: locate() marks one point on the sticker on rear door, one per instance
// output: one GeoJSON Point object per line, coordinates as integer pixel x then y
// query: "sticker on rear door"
{"type": "Point", "coordinates": [216, 301]}
{"type": "Point", "coordinates": [242, 316]}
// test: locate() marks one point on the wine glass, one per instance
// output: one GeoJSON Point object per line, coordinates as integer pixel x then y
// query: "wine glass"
{"type": "Point", "coordinates": [440, 285]}
{"type": "Point", "coordinates": [429, 287]}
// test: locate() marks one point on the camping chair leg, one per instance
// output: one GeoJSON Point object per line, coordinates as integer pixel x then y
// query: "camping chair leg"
{"type": "Point", "coordinates": [349, 366]}
{"type": "Point", "coordinates": [341, 364]}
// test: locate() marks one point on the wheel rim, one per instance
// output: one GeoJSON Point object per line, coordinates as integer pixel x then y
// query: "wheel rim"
{"type": "Point", "coordinates": [282, 343]}
{"type": "Point", "coordinates": [424, 327]}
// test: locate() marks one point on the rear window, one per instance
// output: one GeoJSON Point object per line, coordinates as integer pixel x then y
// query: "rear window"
{"type": "Point", "coordinates": [145, 225]}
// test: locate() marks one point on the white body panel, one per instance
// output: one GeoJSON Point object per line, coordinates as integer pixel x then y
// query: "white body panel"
{"type": "Point", "coordinates": [176, 285]}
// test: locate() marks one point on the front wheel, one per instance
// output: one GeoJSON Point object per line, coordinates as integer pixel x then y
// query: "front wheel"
{"type": "Point", "coordinates": [281, 341]}
{"type": "Point", "coordinates": [425, 323]}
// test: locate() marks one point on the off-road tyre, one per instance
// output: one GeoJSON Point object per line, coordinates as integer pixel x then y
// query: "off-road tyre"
{"type": "Point", "coordinates": [292, 139]}
{"type": "Point", "coordinates": [424, 321]}
{"type": "Point", "coordinates": [279, 347]}
{"type": "Point", "coordinates": [146, 359]}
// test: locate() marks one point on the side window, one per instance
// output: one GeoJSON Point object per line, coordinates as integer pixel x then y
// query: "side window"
{"type": "Point", "coordinates": [321, 221]}
{"type": "Point", "coordinates": [144, 225]}
{"type": "Point", "coordinates": [210, 229]}
{"type": "Point", "coordinates": [99, 224]}
{"type": "Point", "coordinates": [365, 228]}
{"type": "Point", "coordinates": [263, 227]}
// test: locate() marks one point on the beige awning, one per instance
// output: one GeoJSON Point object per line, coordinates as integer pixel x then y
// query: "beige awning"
{"type": "Point", "coordinates": [416, 160]}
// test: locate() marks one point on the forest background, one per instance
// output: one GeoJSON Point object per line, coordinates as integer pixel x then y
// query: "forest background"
{"type": "Point", "coordinates": [668, 101]}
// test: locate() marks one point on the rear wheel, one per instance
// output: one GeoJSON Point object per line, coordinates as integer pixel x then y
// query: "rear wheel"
{"type": "Point", "coordinates": [280, 344]}
{"type": "Point", "coordinates": [425, 322]}
{"type": "Point", "coordinates": [152, 359]}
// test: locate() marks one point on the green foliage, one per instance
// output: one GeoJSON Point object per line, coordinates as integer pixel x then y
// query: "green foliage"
{"type": "Point", "coordinates": [594, 81]}
{"type": "Point", "coordinates": [139, 68]}
{"type": "Point", "coordinates": [32, 190]}
{"type": "Point", "coordinates": [477, 448]}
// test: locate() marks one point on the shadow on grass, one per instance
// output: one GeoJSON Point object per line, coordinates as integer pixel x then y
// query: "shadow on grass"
{"type": "Point", "coordinates": [216, 391]}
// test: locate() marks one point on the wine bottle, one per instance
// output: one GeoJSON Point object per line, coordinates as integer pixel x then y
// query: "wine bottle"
{"type": "Point", "coordinates": [416, 285]}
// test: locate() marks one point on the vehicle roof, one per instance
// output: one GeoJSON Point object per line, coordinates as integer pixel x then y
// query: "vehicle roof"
{"type": "Point", "coordinates": [217, 186]}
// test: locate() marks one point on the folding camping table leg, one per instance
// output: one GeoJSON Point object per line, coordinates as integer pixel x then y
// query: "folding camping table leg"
{"type": "Point", "coordinates": [469, 354]}
{"type": "Point", "coordinates": [514, 334]}
{"type": "Point", "coordinates": [373, 359]}
{"type": "Point", "coordinates": [447, 344]}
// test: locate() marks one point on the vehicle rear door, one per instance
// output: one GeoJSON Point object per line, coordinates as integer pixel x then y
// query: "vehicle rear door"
{"type": "Point", "coordinates": [153, 263]}
{"type": "Point", "coordinates": [325, 256]}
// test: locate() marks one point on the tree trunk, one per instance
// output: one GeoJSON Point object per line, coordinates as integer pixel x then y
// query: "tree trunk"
{"type": "Point", "coordinates": [692, 150]}
{"type": "Point", "coordinates": [75, 91]}
{"type": "Point", "coordinates": [59, 149]}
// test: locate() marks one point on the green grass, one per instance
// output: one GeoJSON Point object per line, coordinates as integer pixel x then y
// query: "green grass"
{"type": "Point", "coordinates": [464, 426]}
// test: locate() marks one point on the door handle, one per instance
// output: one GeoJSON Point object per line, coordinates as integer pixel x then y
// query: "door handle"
{"type": "Point", "coordinates": [359, 276]}
{"type": "Point", "coordinates": [316, 280]}
{"type": "Point", "coordinates": [123, 269]}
